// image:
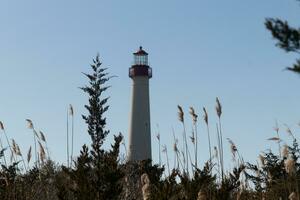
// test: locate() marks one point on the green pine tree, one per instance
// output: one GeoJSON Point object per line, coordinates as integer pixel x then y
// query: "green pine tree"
{"type": "Point", "coordinates": [97, 107]}
{"type": "Point", "coordinates": [97, 173]}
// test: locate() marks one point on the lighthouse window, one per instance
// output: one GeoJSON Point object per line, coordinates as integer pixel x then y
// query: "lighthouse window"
{"type": "Point", "coordinates": [141, 60]}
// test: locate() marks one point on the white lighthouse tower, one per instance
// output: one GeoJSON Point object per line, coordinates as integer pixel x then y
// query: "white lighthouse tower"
{"type": "Point", "coordinates": [139, 127]}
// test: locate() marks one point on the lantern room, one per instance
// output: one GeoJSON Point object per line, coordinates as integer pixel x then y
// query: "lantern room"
{"type": "Point", "coordinates": [140, 65]}
{"type": "Point", "coordinates": [140, 57]}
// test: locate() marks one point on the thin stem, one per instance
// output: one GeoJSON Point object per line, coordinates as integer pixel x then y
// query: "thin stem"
{"type": "Point", "coordinates": [72, 145]}
{"type": "Point", "coordinates": [279, 146]}
{"type": "Point", "coordinates": [168, 162]}
{"type": "Point", "coordinates": [47, 150]}
{"type": "Point", "coordinates": [183, 150]}
{"type": "Point", "coordinates": [158, 138]}
{"type": "Point", "coordinates": [209, 143]}
{"type": "Point", "coordinates": [35, 151]}
{"type": "Point", "coordinates": [222, 149]}
{"type": "Point", "coordinates": [196, 146]}
{"type": "Point", "coordinates": [175, 150]}
{"type": "Point", "coordinates": [175, 161]}
{"type": "Point", "coordinates": [159, 152]}
{"type": "Point", "coordinates": [218, 163]}
{"type": "Point", "coordinates": [1, 146]}
{"type": "Point", "coordinates": [8, 143]}
{"type": "Point", "coordinates": [179, 161]}
{"type": "Point", "coordinates": [220, 152]}
{"type": "Point", "coordinates": [189, 154]}
{"type": "Point", "coordinates": [24, 163]}
{"type": "Point", "coordinates": [125, 148]}
{"type": "Point", "coordinates": [68, 139]}
{"type": "Point", "coordinates": [193, 138]}
{"type": "Point", "coordinates": [186, 148]}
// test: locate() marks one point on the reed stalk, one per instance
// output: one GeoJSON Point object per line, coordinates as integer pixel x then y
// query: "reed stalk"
{"type": "Point", "coordinates": [219, 153]}
{"type": "Point", "coordinates": [276, 128]}
{"type": "Point", "coordinates": [205, 117]}
{"type": "Point", "coordinates": [124, 145]}
{"type": "Point", "coordinates": [68, 162]}
{"type": "Point", "coordinates": [18, 152]}
{"type": "Point", "coordinates": [43, 138]}
{"type": "Point", "coordinates": [185, 146]}
{"type": "Point", "coordinates": [30, 126]}
{"type": "Point", "coordinates": [220, 136]}
{"type": "Point", "coordinates": [28, 156]}
{"type": "Point", "coordinates": [176, 151]}
{"type": "Point", "coordinates": [195, 134]}
{"type": "Point", "coordinates": [165, 150]}
{"type": "Point", "coordinates": [158, 139]}
{"type": "Point", "coordinates": [71, 112]}
{"type": "Point", "coordinates": [7, 140]}
{"type": "Point", "coordinates": [218, 161]}
{"type": "Point", "coordinates": [193, 140]}
{"type": "Point", "coordinates": [3, 151]}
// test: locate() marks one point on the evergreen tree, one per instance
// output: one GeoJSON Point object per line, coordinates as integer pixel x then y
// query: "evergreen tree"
{"type": "Point", "coordinates": [97, 107]}
{"type": "Point", "coordinates": [97, 173]}
{"type": "Point", "coordinates": [288, 38]}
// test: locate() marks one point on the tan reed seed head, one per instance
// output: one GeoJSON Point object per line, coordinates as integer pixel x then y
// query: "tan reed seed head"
{"type": "Point", "coordinates": [29, 155]}
{"type": "Point", "coordinates": [1, 125]}
{"type": "Point", "coordinates": [16, 148]}
{"type": "Point", "coordinates": [71, 110]}
{"type": "Point", "coordinates": [180, 114]}
{"type": "Point", "coordinates": [145, 179]}
{"type": "Point", "coordinates": [293, 196]}
{"type": "Point", "coordinates": [262, 160]}
{"type": "Point", "coordinates": [192, 111]}
{"type": "Point", "coordinates": [13, 142]}
{"type": "Point", "coordinates": [19, 153]}
{"type": "Point", "coordinates": [43, 138]}
{"type": "Point", "coordinates": [257, 172]}
{"type": "Point", "coordinates": [269, 177]}
{"type": "Point", "coordinates": [29, 124]}
{"type": "Point", "coordinates": [201, 195]}
{"type": "Point", "coordinates": [233, 147]}
{"type": "Point", "coordinates": [239, 194]}
{"type": "Point", "coordinates": [289, 166]}
{"type": "Point", "coordinates": [218, 107]}
{"type": "Point", "coordinates": [146, 188]}
{"type": "Point", "coordinates": [194, 115]}
{"type": "Point", "coordinates": [42, 153]}
{"type": "Point", "coordinates": [285, 151]}
{"type": "Point", "coordinates": [205, 116]}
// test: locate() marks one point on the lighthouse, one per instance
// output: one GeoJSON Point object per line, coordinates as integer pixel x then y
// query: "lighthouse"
{"type": "Point", "coordinates": [139, 126]}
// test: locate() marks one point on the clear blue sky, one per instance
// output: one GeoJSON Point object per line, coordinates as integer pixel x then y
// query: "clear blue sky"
{"type": "Point", "coordinates": [198, 50]}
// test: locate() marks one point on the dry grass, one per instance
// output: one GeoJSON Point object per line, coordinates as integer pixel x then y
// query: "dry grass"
{"type": "Point", "coordinates": [274, 176]}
